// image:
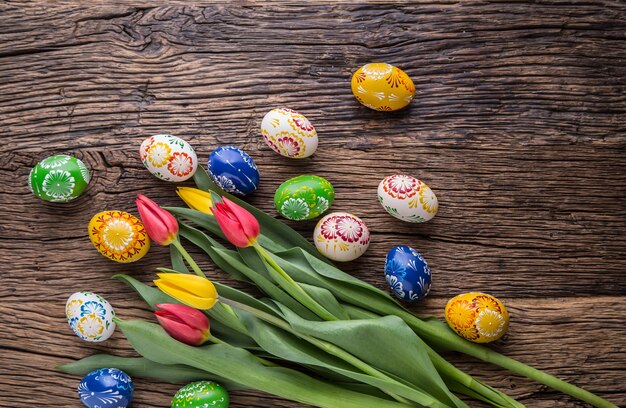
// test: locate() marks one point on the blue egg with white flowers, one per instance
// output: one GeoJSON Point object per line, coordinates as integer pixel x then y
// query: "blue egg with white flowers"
{"type": "Point", "coordinates": [233, 170]}
{"type": "Point", "coordinates": [106, 388]}
{"type": "Point", "coordinates": [407, 273]}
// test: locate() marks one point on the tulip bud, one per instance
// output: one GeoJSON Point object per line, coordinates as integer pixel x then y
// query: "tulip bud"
{"type": "Point", "coordinates": [183, 323]}
{"type": "Point", "coordinates": [192, 290]}
{"type": "Point", "coordinates": [239, 226]}
{"type": "Point", "coordinates": [160, 225]}
{"type": "Point", "coordinates": [196, 199]}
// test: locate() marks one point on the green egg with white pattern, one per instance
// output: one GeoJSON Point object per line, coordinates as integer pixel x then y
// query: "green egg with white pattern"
{"type": "Point", "coordinates": [59, 178]}
{"type": "Point", "coordinates": [201, 394]}
{"type": "Point", "coordinates": [304, 197]}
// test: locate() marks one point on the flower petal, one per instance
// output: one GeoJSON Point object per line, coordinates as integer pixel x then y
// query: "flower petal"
{"type": "Point", "coordinates": [194, 284]}
{"type": "Point", "coordinates": [160, 225]}
{"type": "Point", "coordinates": [196, 199]}
{"type": "Point", "coordinates": [249, 223]}
{"type": "Point", "coordinates": [198, 302]}
{"type": "Point", "coordinates": [232, 229]}
{"type": "Point", "coordinates": [185, 314]}
{"type": "Point", "coordinates": [181, 331]}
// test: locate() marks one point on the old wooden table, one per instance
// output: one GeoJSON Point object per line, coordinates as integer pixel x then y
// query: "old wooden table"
{"type": "Point", "coordinates": [518, 125]}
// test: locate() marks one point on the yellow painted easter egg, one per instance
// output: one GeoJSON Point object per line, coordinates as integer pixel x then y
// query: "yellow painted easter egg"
{"type": "Point", "coordinates": [477, 317]}
{"type": "Point", "coordinates": [119, 236]}
{"type": "Point", "coordinates": [382, 87]}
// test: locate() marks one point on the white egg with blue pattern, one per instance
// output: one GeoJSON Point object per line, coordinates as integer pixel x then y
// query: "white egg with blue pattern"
{"type": "Point", "coordinates": [90, 316]}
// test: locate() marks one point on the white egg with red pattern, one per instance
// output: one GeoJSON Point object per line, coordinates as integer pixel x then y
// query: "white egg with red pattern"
{"type": "Point", "coordinates": [407, 198]}
{"type": "Point", "coordinates": [341, 236]}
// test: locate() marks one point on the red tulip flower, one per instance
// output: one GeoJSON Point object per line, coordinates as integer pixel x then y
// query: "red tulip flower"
{"type": "Point", "coordinates": [160, 225]}
{"type": "Point", "coordinates": [184, 323]}
{"type": "Point", "coordinates": [239, 226]}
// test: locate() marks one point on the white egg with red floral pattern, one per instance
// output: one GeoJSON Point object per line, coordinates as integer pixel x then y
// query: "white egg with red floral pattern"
{"type": "Point", "coordinates": [341, 236]}
{"type": "Point", "coordinates": [289, 133]}
{"type": "Point", "coordinates": [168, 157]}
{"type": "Point", "coordinates": [407, 198]}
{"type": "Point", "coordinates": [90, 316]}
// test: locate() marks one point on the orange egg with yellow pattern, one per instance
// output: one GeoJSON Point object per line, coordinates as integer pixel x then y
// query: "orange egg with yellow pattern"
{"type": "Point", "coordinates": [119, 236]}
{"type": "Point", "coordinates": [382, 87]}
{"type": "Point", "coordinates": [477, 317]}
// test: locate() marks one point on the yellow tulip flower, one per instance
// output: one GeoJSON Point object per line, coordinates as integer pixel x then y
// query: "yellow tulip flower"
{"type": "Point", "coordinates": [196, 199]}
{"type": "Point", "coordinates": [192, 290]}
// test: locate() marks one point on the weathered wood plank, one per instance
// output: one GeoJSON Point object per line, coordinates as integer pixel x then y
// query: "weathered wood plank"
{"type": "Point", "coordinates": [518, 126]}
{"type": "Point", "coordinates": [515, 222]}
{"type": "Point", "coordinates": [546, 333]}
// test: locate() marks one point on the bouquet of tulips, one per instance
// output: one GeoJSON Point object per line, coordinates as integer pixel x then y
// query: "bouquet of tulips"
{"type": "Point", "coordinates": [357, 345]}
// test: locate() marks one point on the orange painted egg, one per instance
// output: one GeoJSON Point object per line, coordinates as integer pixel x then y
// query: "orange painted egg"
{"type": "Point", "coordinates": [382, 87]}
{"type": "Point", "coordinates": [119, 236]}
{"type": "Point", "coordinates": [477, 317]}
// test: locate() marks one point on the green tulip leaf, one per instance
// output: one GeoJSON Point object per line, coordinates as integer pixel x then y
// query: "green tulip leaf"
{"type": "Point", "coordinates": [289, 347]}
{"type": "Point", "coordinates": [325, 298]}
{"type": "Point", "coordinates": [389, 333]}
{"type": "Point", "coordinates": [240, 366]}
{"type": "Point", "coordinates": [142, 367]}
{"type": "Point", "coordinates": [178, 262]}
{"type": "Point", "coordinates": [264, 284]}
{"type": "Point", "coordinates": [207, 244]}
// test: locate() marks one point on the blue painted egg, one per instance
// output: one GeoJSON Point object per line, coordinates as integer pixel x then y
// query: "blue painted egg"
{"type": "Point", "coordinates": [407, 273]}
{"type": "Point", "coordinates": [233, 170]}
{"type": "Point", "coordinates": [106, 388]}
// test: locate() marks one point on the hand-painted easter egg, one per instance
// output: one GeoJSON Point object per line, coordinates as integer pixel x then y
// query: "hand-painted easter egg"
{"type": "Point", "coordinates": [304, 197]}
{"type": "Point", "coordinates": [59, 178]}
{"type": "Point", "coordinates": [106, 388]}
{"type": "Point", "coordinates": [119, 236]}
{"type": "Point", "coordinates": [341, 236]}
{"type": "Point", "coordinates": [233, 170]}
{"type": "Point", "coordinates": [289, 133]}
{"type": "Point", "coordinates": [168, 157]}
{"type": "Point", "coordinates": [382, 87]}
{"type": "Point", "coordinates": [477, 317]}
{"type": "Point", "coordinates": [407, 198]}
{"type": "Point", "coordinates": [201, 394]}
{"type": "Point", "coordinates": [407, 273]}
{"type": "Point", "coordinates": [90, 316]}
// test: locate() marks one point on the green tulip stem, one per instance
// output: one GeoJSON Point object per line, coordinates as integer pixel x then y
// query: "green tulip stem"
{"type": "Point", "coordinates": [188, 258]}
{"type": "Point", "coordinates": [332, 349]}
{"type": "Point", "coordinates": [448, 370]}
{"type": "Point", "coordinates": [451, 341]}
{"type": "Point", "coordinates": [292, 287]}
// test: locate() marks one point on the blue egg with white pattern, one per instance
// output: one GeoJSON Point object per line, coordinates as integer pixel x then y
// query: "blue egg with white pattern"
{"type": "Point", "coordinates": [407, 273]}
{"type": "Point", "coordinates": [106, 388]}
{"type": "Point", "coordinates": [233, 170]}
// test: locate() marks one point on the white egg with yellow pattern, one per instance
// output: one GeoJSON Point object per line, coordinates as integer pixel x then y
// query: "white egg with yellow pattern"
{"type": "Point", "coordinates": [341, 236]}
{"type": "Point", "coordinates": [407, 198]}
{"type": "Point", "coordinates": [90, 316]}
{"type": "Point", "coordinates": [289, 133]}
{"type": "Point", "coordinates": [168, 157]}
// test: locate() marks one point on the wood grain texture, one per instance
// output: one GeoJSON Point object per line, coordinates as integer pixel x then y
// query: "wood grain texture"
{"type": "Point", "coordinates": [518, 125]}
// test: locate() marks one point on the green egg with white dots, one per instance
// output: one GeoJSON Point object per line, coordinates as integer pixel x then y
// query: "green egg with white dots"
{"type": "Point", "coordinates": [201, 394]}
{"type": "Point", "coordinates": [304, 197]}
{"type": "Point", "coordinates": [59, 178]}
